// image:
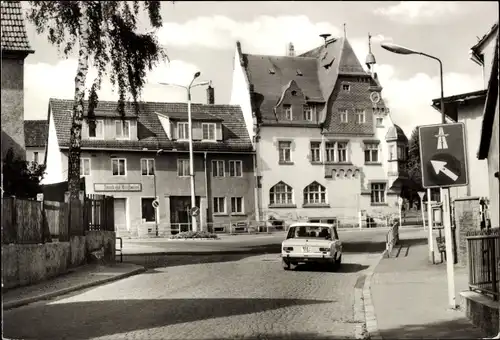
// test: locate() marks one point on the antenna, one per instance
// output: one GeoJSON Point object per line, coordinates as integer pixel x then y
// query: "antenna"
{"type": "Point", "coordinates": [345, 33]}
{"type": "Point", "coordinates": [325, 36]}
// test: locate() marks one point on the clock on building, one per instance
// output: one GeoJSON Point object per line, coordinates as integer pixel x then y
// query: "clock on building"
{"type": "Point", "coordinates": [375, 97]}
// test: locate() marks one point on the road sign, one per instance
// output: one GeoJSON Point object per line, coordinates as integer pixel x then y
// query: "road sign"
{"type": "Point", "coordinates": [155, 204]}
{"type": "Point", "coordinates": [442, 155]}
{"type": "Point", "coordinates": [195, 211]}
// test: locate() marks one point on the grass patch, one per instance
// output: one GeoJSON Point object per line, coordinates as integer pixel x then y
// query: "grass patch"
{"type": "Point", "coordinates": [194, 235]}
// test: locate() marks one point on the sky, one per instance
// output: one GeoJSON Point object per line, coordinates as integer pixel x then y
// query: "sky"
{"type": "Point", "coordinates": [201, 36]}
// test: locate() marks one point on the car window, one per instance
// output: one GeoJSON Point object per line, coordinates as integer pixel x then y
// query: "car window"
{"type": "Point", "coordinates": [335, 233]}
{"type": "Point", "coordinates": [311, 232]}
{"type": "Point", "coordinates": [291, 233]}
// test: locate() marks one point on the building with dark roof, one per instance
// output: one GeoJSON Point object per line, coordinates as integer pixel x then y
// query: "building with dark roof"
{"type": "Point", "coordinates": [36, 133]}
{"type": "Point", "coordinates": [125, 157]}
{"type": "Point", "coordinates": [326, 146]}
{"type": "Point", "coordinates": [15, 48]}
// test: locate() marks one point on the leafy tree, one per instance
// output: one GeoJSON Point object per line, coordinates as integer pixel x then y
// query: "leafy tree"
{"type": "Point", "coordinates": [21, 178]}
{"type": "Point", "coordinates": [103, 33]}
{"type": "Point", "coordinates": [413, 169]}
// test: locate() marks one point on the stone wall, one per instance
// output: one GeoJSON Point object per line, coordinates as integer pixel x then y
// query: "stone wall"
{"type": "Point", "coordinates": [26, 264]}
{"type": "Point", "coordinates": [467, 218]}
{"type": "Point", "coordinates": [482, 312]}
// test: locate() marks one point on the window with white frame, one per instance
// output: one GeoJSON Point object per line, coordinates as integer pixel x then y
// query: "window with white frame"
{"type": "Point", "coordinates": [315, 151]}
{"type": "Point", "coordinates": [182, 131]}
{"type": "Point", "coordinates": [379, 121]}
{"type": "Point", "coordinates": [285, 151]}
{"type": "Point", "coordinates": [96, 129]}
{"type": "Point", "coordinates": [147, 167]}
{"type": "Point", "coordinates": [183, 167]}
{"type": "Point", "coordinates": [35, 157]}
{"type": "Point", "coordinates": [148, 212]}
{"type": "Point", "coordinates": [392, 153]}
{"type": "Point", "coordinates": [281, 194]}
{"type": "Point", "coordinates": [218, 168]}
{"type": "Point", "coordinates": [309, 111]}
{"type": "Point", "coordinates": [85, 167]}
{"type": "Point", "coordinates": [330, 151]}
{"type": "Point", "coordinates": [315, 193]}
{"type": "Point", "coordinates": [288, 111]}
{"type": "Point", "coordinates": [401, 153]}
{"type": "Point", "coordinates": [378, 192]}
{"type": "Point", "coordinates": [235, 168]}
{"type": "Point", "coordinates": [119, 166]}
{"type": "Point", "coordinates": [371, 153]}
{"type": "Point", "coordinates": [236, 205]}
{"type": "Point", "coordinates": [208, 130]}
{"type": "Point", "coordinates": [342, 152]}
{"type": "Point", "coordinates": [122, 129]}
{"type": "Point", "coordinates": [219, 205]}
{"type": "Point", "coordinates": [343, 116]}
{"type": "Point", "coordinates": [360, 116]}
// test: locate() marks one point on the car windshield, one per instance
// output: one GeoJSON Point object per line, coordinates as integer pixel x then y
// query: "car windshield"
{"type": "Point", "coordinates": [311, 232]}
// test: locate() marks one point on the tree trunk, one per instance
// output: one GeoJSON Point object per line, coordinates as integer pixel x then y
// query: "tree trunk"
{"type": "Point", "coordinates": [76, 126]}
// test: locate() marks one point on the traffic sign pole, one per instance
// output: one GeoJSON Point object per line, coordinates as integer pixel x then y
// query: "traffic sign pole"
{"type": "Point", "coordinates": [431, 226]}
{"type": "Point", "coordinates": [450, 270]}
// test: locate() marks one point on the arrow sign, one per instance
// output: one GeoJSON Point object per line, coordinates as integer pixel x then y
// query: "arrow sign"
{"type": "Point", "coordinates": [440, 166]}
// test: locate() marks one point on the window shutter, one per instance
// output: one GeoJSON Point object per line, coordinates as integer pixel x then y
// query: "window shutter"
{"type": "Point", "coordinates": [218, 131]}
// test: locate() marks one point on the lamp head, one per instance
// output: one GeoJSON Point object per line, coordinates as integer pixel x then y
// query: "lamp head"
{"type": "Point", "coordinates": [159, 151]}
{"type": "Point", "coordinates": [197, 74]}
{"type": "Point", "coordinates": [397, 49]}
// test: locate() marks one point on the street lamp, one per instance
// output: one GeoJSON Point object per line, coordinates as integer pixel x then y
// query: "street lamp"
{"type": "Point", "coordinates": [445, 193]}
{"type": "Point", "coordinates": [190, 127]}
{"type": "Point", "coordinates": [156, 197]}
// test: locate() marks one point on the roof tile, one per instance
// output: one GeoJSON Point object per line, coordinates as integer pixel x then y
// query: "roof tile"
{"type": "Point", "coordinates": [35, 133]}
{"type": "Point", "coordinates": [14, 37]}
{"type": "Point", "coordinates": [150, 131]}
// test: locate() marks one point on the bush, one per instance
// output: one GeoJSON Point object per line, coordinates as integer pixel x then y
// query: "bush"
{"type": "Point", "coordinates": [194, 235]}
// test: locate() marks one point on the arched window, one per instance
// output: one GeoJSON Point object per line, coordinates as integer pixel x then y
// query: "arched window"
{"type": "Point", "coordinates": [281, 193]}
{"type": "Point", "coordinates": [315, 193]}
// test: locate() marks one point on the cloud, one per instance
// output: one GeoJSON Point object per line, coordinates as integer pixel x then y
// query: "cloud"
{"type": "Point", "coordinates": [38, 89]}
{"type": "Point", "coordinates": [265, 34]}
{"type": "Point", "coordinates": [419, 12]}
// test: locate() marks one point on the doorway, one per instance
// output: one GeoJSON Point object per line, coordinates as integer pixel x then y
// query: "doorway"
{"type": "Point", "coordinates": [180, 219]}
{"type": "Point", "coordinates": [120, 212]}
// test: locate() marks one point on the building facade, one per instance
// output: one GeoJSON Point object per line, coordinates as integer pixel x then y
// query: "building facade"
{"type": "Point", "coordinates": [326, 146]}
{"type": "Point", "coordinates": [15, 48]}
{"type": "Point", "coordinates": [145, 155]}
{"type": "Point", "coordinates": [35, 140]}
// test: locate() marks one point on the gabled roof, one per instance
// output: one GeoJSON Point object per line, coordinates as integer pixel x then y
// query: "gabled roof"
{"type": "Point", "coordinates": [14, 37]}
{"type": "Point", "coordinates": [36, 133]}
{"type": "Point", "coordinates": [485, 38]}
{"type": "Point", "coordinates": [150, 132]}
{"type": "Point", "coordinates": [490, 109]}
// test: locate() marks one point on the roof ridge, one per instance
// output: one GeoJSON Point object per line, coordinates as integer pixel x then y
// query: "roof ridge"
{"type": "Point", "coordinates": [148, 102]}
{"type": "Point", "coordinates": [279, 56]}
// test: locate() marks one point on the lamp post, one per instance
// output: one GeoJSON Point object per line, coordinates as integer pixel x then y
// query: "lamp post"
{"type": "Point", "coordinates": [190, 128]}
{"type": "Point", "coordinates": [156, 197]}
{"type": "Point", "coordinates": [445, 193]}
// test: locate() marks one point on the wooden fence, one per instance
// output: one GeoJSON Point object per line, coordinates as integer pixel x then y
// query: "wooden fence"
{"type": "Point", "coordinates": [98, 213]}
{"type": "Point", "coordinates": [56, 214]}
{"type": "Point", "coordinates": [23, 221]}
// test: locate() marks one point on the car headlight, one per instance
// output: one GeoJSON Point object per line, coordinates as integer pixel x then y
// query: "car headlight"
{"type": "Point", "coordinates": [287, 248]}
{"type": "Point", "coordinates": [324, 249]}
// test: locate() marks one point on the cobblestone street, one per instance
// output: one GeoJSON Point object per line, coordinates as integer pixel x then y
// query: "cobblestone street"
{"type": "Point", "coordinates": [251, 297]}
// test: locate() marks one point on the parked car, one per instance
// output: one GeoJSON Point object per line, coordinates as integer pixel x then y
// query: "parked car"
{"type": "Point", "coordinates": [312, 243]}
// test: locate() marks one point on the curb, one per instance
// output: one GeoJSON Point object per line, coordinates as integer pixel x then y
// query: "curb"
{"type": "Point", "coordinates": [370, 317]}
{"type": "Point", "coordinates": [47, 296]}
{"type": "Point", "coordinates": [201, 253]}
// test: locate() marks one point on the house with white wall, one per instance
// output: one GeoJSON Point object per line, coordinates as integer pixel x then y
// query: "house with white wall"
{"type": "Point", "coordinates": [35, 139]}
{"type": "Point", "coordinates": [326, 145]}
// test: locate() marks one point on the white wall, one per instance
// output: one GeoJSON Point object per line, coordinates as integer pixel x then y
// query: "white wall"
{"type": "Point", "coordinates": [54, 163]}
{"type": "Point", "coordinates": [30, 154]}
{"type": "Point", "coordinates": [240, 94]}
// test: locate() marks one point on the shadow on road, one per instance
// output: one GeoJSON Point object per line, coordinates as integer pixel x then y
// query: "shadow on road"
{"type": "Point", "coordinates": [89, 319]}
{"type": "Point", "coordinates": [344, 268]}
{"type": "Point", "coordinates": [363, 247]}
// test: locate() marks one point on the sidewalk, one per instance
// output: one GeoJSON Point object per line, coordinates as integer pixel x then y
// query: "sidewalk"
{"type": "Point", "coordinates": [410, 296]}
{"type": "Point", "coordinates": [78, 278]}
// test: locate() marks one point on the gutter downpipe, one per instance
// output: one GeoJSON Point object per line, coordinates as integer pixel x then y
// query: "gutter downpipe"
{"type": "Point", "coordinates": [206, 191]}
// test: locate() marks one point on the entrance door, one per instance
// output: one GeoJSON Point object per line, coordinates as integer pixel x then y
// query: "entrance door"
{"type": "Point", "coordinates": [120, 214]}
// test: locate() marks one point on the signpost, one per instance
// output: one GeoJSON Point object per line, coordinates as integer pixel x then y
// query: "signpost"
{"type": "Point", "coordinates": [421, 195]}
{"type": "Point", "coordinates": [195, 211]}
{"type": "Point", "coordinates": [155, 204]}
{"type": "Point", "coordinates": [444, 164]}
{"type": "Point", "coordinates": [400, 204]}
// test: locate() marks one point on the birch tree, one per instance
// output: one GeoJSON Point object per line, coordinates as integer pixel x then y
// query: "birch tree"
{"type": "Point", "coordinates": [103, 34]}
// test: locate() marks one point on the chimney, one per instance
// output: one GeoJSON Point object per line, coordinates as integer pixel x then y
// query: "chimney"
{"type": "Point", "coordinates": [291, 50]}
{"type": "Point", "coordinates": [210, 94]}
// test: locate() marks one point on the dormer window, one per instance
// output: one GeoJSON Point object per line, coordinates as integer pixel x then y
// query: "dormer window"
{"type": "Point", "coordinates": [272, 71]}
{"type": "Point", "coordinates": [346, 87]}
{"type": "Point", "coordinates": [299, 72]}
{"type": "Point", "coordinates": [309, 112]}
{"type": "Point", "coordinates": [122, 128]}
{"type": "Point", "coordinates": [96, 129]}
{"type": "Point", "coordinates": [294, 93]}
{"type": "Point", "coordinates": [182, 131]}
{"type": "Point", "coordinates": [208, 131]}
{"type": "Point", "coordinates": [288, 111]}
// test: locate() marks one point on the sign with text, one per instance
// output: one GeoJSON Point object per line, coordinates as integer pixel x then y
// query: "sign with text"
{"type": "Point", "coordinates": [117, 187]}
{"type": "Point", "coordinates": [443, 155]}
